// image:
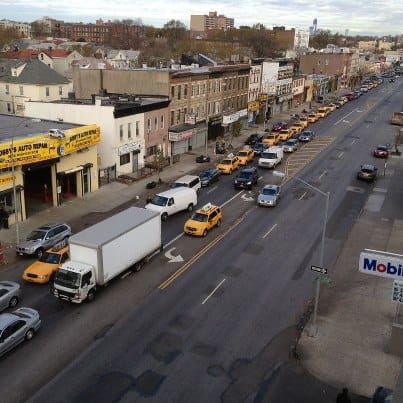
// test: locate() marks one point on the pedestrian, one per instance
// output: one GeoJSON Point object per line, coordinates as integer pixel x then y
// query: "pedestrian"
{"type": "Point", "coordinates": [380, 395]}
{"type": "Point", "coordinates": [343, 396]}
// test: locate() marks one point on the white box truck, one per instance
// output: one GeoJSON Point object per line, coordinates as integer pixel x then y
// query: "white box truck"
{"type": "Point", "coordinates": [271, 157]}
{"type": "Point", "coordinates": [103, 251]}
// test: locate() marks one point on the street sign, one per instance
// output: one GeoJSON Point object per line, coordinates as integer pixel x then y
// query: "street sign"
{"type": "Point", "coordinates": [397, 291]}
{"type": "Point", "coordinates": [319, 269]}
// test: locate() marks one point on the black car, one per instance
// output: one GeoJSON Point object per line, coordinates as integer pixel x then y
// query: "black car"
{"type": "Point", "coordinates": [254, 138]}
{"type": "Point", "coordinates": [209, 176]}
{"type": "Point", "coordinates": [367, 173]}
{"type": "Point", "coordinates": [202, 158]}
{"type": "Point", "coordinates": [258, 148]}
{"type": "Point", "coordinates": [246, 178]}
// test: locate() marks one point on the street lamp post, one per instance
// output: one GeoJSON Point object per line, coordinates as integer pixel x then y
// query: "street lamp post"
{"type": "Point", "coordinates": [314, 327]}
{"type": "Point", "coordinates": [16, 203]}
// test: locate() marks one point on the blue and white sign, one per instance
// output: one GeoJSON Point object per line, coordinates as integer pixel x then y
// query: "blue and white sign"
{"type": "Point", "coordinates": [382, 264]}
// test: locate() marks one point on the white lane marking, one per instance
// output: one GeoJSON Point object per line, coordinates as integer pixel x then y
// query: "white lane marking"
{"type": "Point", "coordinates": [340, 155]}
{"type": "Point", "coordinates": [302, 196]}
{"type": "Point", "coordinates": [352, 142]}
{"type": "Point", "coordinates": [232, 198]}
{"type": "Point", "coordinates": [269, 231]}
{"type": "Point", "coordinates": [381, 190]}
{"type": "Point", "coordinates": [172, 241]}
{"type": "Point", "coordinates": [321, 175]}
{"type": "Point", "coordinates": [212, 189]}
{"type": "Point", "coordinates": [212, 292]}
{"type": "Point", "coordinates": [343, 119]}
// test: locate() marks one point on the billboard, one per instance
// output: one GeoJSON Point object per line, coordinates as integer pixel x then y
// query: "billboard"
{"type": "Point", "coordinates": [382, 264]}
{"type": "Point", "coordinates": [42, 147]}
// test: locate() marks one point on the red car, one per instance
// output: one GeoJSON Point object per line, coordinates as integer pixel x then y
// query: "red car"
{"type": "Point", "coordinates": [381, 152]}
{"type": "Point", "coordinates": [279, 126]}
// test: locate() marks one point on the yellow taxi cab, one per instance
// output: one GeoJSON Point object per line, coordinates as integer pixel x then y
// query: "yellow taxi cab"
{"type": "Point", "coordinates": [45, 267]}
{"type": "Point", "coordinates": [285, 134]}
{"type": "Point", "coordinates": [272, 139]}
{"type": "Point", "coordinates": [297, 127]}
{"type": "Point", "coordinates": [304, 120]}
{"type": "Point", "coordinates": [332, 107]}
{"type": "Point", "coordinates": [203, 220]}
{"type": "Point", "coordinates": [228, 164]}
{"type": "Point", "coordinates": [313, 117]}
{"type": "Point", "coordinates": [245, 155]}
{"type": "Point", "coordinates": [322, 112]}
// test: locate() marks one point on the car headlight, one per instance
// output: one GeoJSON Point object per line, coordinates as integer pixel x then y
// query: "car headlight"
{"type": "Point", "coordinates": [249, 182]}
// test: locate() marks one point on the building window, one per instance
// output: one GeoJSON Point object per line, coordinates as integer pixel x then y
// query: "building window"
{"type": "Point", "coordinates": [179, 92]}
{"type": "Point", "coordinates": [172, 118]}
{"type": "Point", "coordinates": [8, 108]}
{"type": "Point", "coordinates": [21, 90]}
{"type": "Point", "coordinates": [7, 89]}
{"type": "Point", "coordinates": [172, 92]}
{"type": "Point", "coordinates": [121, 133]}
{"type": "Point", "coordinates": [162, 122]}
{"type": "Point", "coordinates": [125, 159]}
{"type": "Point", "coordinates": [156, 122]}
{"type": "Point", "coordinates": [60, 90]}
{"type": "Point", "coordinates": [185, 91]}
{"type": "Point", "coordinates": [148, 124]}
{"type": "Point", "coordinates": [129, 130]}
{"type": "Point", "coordinates": [137, 129]}
{"type": "Point", "coordinates": [152, 150]}
{"type": "Point", "coordinates": [47, 91]}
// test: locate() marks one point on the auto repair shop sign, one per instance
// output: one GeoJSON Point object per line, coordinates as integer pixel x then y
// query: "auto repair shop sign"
{"type": "Point", "coordinates": [383, 264]}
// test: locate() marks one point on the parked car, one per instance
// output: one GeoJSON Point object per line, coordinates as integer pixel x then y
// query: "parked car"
{"type": "Point", "coordinates": [16, 327]}
{"type": "Point", "coordinates": [290, 145]}
{"type": "Point", "coordinates": [258, 148]}
{"type": "Point", "coordinates": [9, 294]}
{"type": "Point", "coordinates": [202, 158]}
{"type": "Point", "coordinates": [208, 177]}
{"type": "Point", "coordinates": [381, 152]}
{"type": "Point", "coordinates": [254, 138]}
{"type": "Point", "coordinates": [285, 134]}
{"type": "Point", "coordinates": [367, 173]}
{"type": "Point", "coordinates": [203, 220]}
{"type": "Point", "coordinates": [306, 135]}
{"type": "Point", "coordinates": [43, 270]}
{"type": "Point", "coordinates": [246, 178]}
{"type": "Point", "coordinates": [269, 196]}
{"type": "Point", "coordinates": [43, 238]}
{"type": "Point", "coordinates": [272, 138]}
{"type": "Point", "coordinates": [279, 126]}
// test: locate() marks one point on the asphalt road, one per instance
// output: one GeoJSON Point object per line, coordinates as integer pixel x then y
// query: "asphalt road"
{"type": "Point", "coordinates": [223, 327]}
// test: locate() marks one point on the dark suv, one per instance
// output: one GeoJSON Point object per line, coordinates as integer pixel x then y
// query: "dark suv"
{"type": "Point", "coordinates": [43, 238]}
{"type": "Point", "coordinates": [254, 138]}
{"type": "Point", "coordinates": [246, 178]}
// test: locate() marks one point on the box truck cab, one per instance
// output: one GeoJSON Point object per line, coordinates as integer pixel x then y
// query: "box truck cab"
{"type": "Point", "coordinates": [271, 157]}
{"type": "Point", "coordinates": [105, 250]}
{"type": "Point", "coordinates": [173, 201]}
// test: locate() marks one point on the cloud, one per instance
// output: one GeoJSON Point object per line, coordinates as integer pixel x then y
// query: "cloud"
{"type": "Point", "coordinates": [371, 17]}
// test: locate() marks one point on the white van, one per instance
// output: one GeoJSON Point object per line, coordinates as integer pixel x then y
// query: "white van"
{"type": "Point", "coordinates": [189, 181]}
{"type": "Point", "coordinates": [271, 157]}
{"type": "Point", "coordinates": [173, 201]}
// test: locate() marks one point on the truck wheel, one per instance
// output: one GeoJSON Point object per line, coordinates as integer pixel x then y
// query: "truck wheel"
{"type": "Point", "coordinates": [164, 216]}
{"type": "Point", "coordinates": [39, 253]}
{"type": "Point", "coordinates": [138, 266]}
{"type": "Point", "coordinates": [190, 207]}
{"type": "Point", "coordinates": [90, 296]}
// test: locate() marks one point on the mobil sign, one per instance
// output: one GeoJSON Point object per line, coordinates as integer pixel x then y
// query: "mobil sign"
{"type": "Point", "coordinates": [383, 264]}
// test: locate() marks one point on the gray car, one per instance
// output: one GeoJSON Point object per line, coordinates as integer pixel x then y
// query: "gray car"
{"type": "Point", "coordinates": [9, 294]}
{"type": "Point", "coordinates": [43, 238]}
{"type": "Point", "coordinates": [269, 196]}
{"type": "Point", "coordinates": [16, 327]}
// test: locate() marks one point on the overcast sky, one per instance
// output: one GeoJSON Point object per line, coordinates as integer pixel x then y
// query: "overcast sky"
{"type": "Point", "coordinates": [359, 17]}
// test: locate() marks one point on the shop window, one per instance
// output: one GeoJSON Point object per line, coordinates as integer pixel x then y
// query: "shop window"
{"type": "Point", "coordinates": [152, 150]}
{"type": "Point", "coordinates": [125, 159]}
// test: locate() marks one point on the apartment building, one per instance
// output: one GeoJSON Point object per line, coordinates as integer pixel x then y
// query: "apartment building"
{"type": "Point", "coordinates": [201, 24]}
{"type": "Point", "coordinates": [23, 29]}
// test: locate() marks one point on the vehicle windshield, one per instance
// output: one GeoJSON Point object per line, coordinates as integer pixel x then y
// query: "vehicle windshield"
{"type": "Point", "coordinates": [271, 136]}
{"type": "Point", "coordinates": [269, 192]}
{"type": "Point", "coordinates": [67, 278]}
{"type": "Point", "coordinates": [200, 217]}
{"type": "Point", "coordinates": [204, 175]}
{"type": "Point", "coordinates": [177, 185]}
{"type": "Point", "coordinates": [283, 131]}
{"type": "Point", "coordinates": [244, 175]}
{"type": "Point", "coordinates": [159, 200]}
{"type": "Point", "coordinates": [243, 153]}
{"type": "Point", "coordinates": [37, 234]}
{"type": "Point", "coordinates": [226, 162]}
{"type": "Point", "coordinates": [290, 143]}
{"type": "Point", "coordinates": [49, 257]}
{"type": "Point", "coordinates": [269, 155]}
{"type": "Point", "coordinates": [381, 148]}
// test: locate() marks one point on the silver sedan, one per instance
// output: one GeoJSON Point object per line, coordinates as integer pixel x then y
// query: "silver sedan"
{"type": "Point", "coordinates": [9, 294]}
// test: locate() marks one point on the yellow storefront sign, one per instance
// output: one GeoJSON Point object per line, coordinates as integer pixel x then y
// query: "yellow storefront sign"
{"type": "Point", "coordinates": [253, 106]}
{"type": "Point", "coordinates": [47, 146]}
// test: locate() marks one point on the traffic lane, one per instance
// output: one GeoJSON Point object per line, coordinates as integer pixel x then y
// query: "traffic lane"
{"type": "Point", "coordinates": [179, 310]}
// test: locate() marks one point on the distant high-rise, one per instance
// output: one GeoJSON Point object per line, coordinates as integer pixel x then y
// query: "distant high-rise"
{"type": "Point", "coordinates": [313, 30]}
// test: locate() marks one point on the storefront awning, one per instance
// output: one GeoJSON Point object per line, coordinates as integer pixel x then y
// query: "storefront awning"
{"type": "Point", "coordinates": [71, 171]}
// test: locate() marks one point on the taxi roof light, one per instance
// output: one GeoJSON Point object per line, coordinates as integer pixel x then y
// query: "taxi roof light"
{"type": "Point", "coordinates": [207, 207]}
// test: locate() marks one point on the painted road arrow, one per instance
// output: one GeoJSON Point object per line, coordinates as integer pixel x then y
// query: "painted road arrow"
{"type": "Point", "coordinates": [171, 258]}
{"type": "Point", "coordinates": [246, 198]}
{"type": "Point", "coordinates": [319, 269]}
